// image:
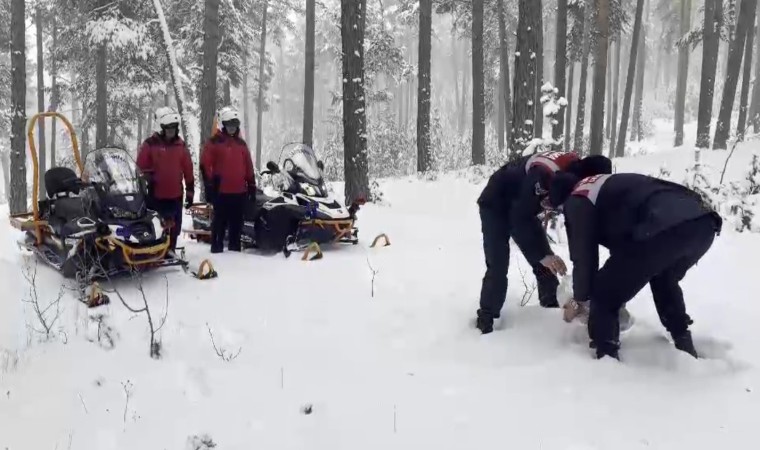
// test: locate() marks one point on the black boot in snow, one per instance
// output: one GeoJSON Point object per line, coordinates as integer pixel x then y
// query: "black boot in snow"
{"type": "Point", "coordinates": [484, 324]}
{"type": "Point", "coordinates": [684, 343]}
{"type": "Point", "coordinates": [606, 349]}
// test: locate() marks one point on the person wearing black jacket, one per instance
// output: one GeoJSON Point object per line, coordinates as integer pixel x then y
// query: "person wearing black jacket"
{"type": "Point", "coordinates": [509, 207]}
{"type": "Point", "coordinates": [655, 231]}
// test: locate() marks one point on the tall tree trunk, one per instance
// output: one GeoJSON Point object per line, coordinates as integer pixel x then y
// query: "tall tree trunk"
{"type": "Point", "coordinates": [746, 19]}
{"type": "Point", "coordinates": [524, 84]}
{"type": "Point", "coordinates": [754, 109]}
{"type": "Point", "coordinates": [211, 38]}
{"type": "Point", "coordinates": [355, 159]}
{"type": "Point", "coordinates": [101, 97]}
{"type": "Point", "coordinates": [262, 86]}
{"type": "Point", "coordinates": [41, 148]}
{"type": "Point", "coordinates": [741, 127]}
{"type": "Point", "coordinates": [423, 93]}
{"type": "Point", "coordinates": [560, 67]}
{"type": "Point", "coordinates": [478, 86]}
{"type": "Point", "coordinates": [596, 140]}
{"type": "Point", "coordinates": [710, 47]}
{"type": "Point", "coordinates": [608, 109]}
{"type": "Point", "coordinates": [620, 149]}
{"type": "Point", "coordinates": [227, 100]}
{"type": "Point", "coordinates": [615, 95]}
{"type": "Point", "coordinates": [638, 104]}
{"type": "Point", "coordinates": [580, 118]}
{"type": "Point", "coordinates": [539, 110]}
{"type": "Point", "coordinates": [569, 113]}
{"type": "Point", "coordinates": [504, 94]}
{"type": "Point", "coordinates": [246, 100]}
{"type": "Point", "coordinates": [455, 75]}
{"type": "Point", "coordinates": [54, 94]}
{"type": "Point", "coordinates": [308, 91]}
{"type": "Point", "coordinates": [683, 67]}
{"type": "Point", "coordinates": [140, 125]}
{"type": "Point", "coordinates": [466, 78]}
{"type": "Point", "coordinates": [18, 109]}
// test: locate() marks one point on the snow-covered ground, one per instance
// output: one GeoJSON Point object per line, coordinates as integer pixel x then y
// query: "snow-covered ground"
{"type": "Point", "coordinates": [402, 369]}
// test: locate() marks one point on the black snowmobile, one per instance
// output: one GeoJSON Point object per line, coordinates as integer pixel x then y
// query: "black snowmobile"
{"type": "Point", "coordinates": [98, 225]}
{"type": "Point", "coordinates": [302, 211]}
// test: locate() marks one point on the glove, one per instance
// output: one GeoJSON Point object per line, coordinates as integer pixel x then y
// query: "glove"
{"type": "Point", "coordinates": [189, 196]}
{"type": "Point", "coordinates": [555, 264]}
{"type": "Point", "coordinates": [575, 310]}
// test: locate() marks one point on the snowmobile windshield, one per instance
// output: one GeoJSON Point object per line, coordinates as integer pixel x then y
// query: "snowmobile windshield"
{"type": "Point", "coordinates": [304, 164]}
{"type": "Point", "coordinates": [119, 193]}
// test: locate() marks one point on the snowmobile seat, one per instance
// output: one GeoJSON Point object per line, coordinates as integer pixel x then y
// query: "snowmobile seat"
{"type": "Point", "coordinates": [61, 181]}
{"type": "Point", "coordinates": [64, 213]}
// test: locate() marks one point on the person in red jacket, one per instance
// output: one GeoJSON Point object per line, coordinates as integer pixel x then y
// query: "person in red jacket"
{"type": "Point", "coordinates": [165, 160]}
{"type": "Point", "coordinates": [227, 171]}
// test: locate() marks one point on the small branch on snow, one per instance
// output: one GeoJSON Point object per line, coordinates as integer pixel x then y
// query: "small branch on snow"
{"type": "Point", "coordinates": [374, 274]}
{"type": "Point", "coordinates": [83, 404]}
{"type": "Point", "coordinates": [529, 288]}
{"type": "Point", "coordinates": [127, 386]}
{"type": "Point", "coordinates": [47, 322]}
{"type": "Point", "coordinates": [222, 353]}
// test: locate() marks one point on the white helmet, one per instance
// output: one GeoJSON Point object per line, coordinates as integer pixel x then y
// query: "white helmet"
{"type": "Point", "coordinates": [166, 116]}
{"type": "Point", "coordinates": [227, 114]}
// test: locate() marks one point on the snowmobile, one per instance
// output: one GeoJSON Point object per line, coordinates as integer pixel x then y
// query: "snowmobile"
{"type": "Point", "coordinates": [96, 225]}
{"type": "Point", "coordinates": [301, 213]}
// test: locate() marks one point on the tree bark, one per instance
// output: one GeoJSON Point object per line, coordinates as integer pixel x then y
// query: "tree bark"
{"type": "Point", "coordinates": [569, 112]}
{"type": "Point", "coordinates": [754, 109]}
{"type": "Point", "coordinates": [308, 91]}
{"type": "Point", "coordinates": [615, 96]}
{"type": "Point", "coordinates": [101, 97]}
{"type": "Point", "coordinates": [54, 94]}
{"type": "Point", "coordinates": [746, 19]}
{"type": "Point", "coordinates": [539, 110]}
{"type": "Point", "coordinates": [504, 91]}
{"type": "Point", "coordinates": [620, 149]}
{"type": "Point", "coordinates": [608, 109]}
{"type": "Point", "coordinates": [580, 118]}
{"type": "Point", "coordinates": [260, 98]}
{"type": "Point", "coordinates": [423, 92]}
{"type": "Point", "coordinates": [524, 85]}
{"type": "Point", "coordinates": [596, 141]}
{"type": "Point", "coordinates": [638, 104]}
{"type": "Point", "coordinates": [478, 86]}
{"type": "Point", "coordinates": [18, 109]}
{"type": "Point", "coordinates": [560, 67]}
{"type": "Point", "coordinates": [41, 147]}
{"type": "Point", "coordinates": [356, 161]}
{"type": "Point", "coordinates": [710, 47]}
{"type": "Point", "coordinates": [683, 67]}
{"type": "Point", "coordinates": [741, 127]}
{"type": "Point", "coordinates": [246, 101]}
{"type": "Point", "coordinates": [211, 39]}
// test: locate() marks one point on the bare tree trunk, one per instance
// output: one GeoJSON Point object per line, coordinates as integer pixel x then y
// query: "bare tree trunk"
{"type": "Point", "coordinates": [596, 140]}
{"type": "Point", "coordinates": [741, 127]}
{"type": "Point", "coordinates": [101, 97]}
{"type": "Point", "coordinates": [539, 111]}
{"type": "Point", "coordinates": [423, 93]}
{"type": "Point", "coordinates": [608, 109]}
{"type": "Point", "coordinates": [478, 86]}
{"type": "Point", "coordinates": [560, 67]}
{"type": "Point", "coordinates": [569, 113]}
{"type": "Point", "coordinates": [140, 125]}
{"type": "Point", "coordinates": [638, 104]}
{"type": "Point", "coordinates": [211, 38]}
{"type": "Point", "coordinates": [504, 97]}
{"type": "Point", "coordinates": [524, 84]}
{"type": "Point", "coordinates": [580, 118]}
{"type": "Point", "coordinates": [54, 94]}
{"type": "Point", "coordinates": [260, 99]}
{"type": "Point", "coordinates": [466, 79]}
{"type": "Point", "coordinates": [18, 109]}
{"type": "Point", "coordinates": [41, 147]}
{"type": "Point", "coordinates": [620, 149]}
{"type": "Point", "coordinates": [746, 19]}
{"type": "Point", "coordinates": [754, 109]}
{"type": "Point", "coordinates": [683, 67]}
{"type": "Point", "coordinates": [308, 92]}
{"type": "Point", "coordinates": [355, 159]}
{"type": "Point", "coordinates": [615, 96]}
{"type": "Point", "coordinates": [710, 46]}
{"type": "Point", "coordinates": [246, 101]}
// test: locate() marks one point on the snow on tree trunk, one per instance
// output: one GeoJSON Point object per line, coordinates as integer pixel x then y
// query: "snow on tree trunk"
{"type": "Point", "coordinates": [569, 113]}
{"type": "Point", "coordinates": [539, 56]}
{"type": "Point", "coordinates": [560, 64]}
{"type": "Point", "coordinates": [478, 86]}
{"type": "Point", "coordinates": [580, 118]}
{"type": "Point", "coordinates": [423, 92]}
{"type": "Point", "coordinates": [41, 145]}
{"type": "Point", "coordinates": [262, 86]}
{"type": "Point", "coordinates": [308, 91]}
{"type": "Point", "coordinates": [710, 47]}
{"type": "Point", "coordinates": [596, 143]}
{"type": "Point", "coordinates": [188, 132]}
{"type": "Point", "coordinates": [18, 109]}
{"type": "Point", "coordinates": [210, 60]}
{"type": "Point", "coordinates": [524, 84]}
{"type": "Point", "coordinates": [741, 126]}
{"type": "Point", "coordinates": [620, 148]}
{"type": "Point", "coordinates": [683, 67]}
{"type": "Point", "coordinates": [746, 19]}
{"type": "Point", "coordinates": [356, 162]}
{"type": "Point", "coordinates": [101, 96]}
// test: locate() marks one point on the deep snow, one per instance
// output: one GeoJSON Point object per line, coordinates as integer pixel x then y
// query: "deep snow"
{"type": "Point", "coordinates": [402, 369]}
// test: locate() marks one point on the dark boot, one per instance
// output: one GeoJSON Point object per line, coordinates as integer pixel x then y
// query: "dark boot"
{"type": "Point", "coordinates": [484, 324]}
{"type": "Point", "coordinates": [684, 343]}
{"type": "Point", "coordinates": [610, 349]}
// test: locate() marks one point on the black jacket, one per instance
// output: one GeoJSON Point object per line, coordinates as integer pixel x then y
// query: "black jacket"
{"type": "Point", "coordinates": [516, 191]}
{"type": "Point", "coordinates": [619, 212]}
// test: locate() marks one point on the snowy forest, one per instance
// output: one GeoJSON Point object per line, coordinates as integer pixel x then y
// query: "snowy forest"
{"type": "Point", "coordinates": [403, 86]}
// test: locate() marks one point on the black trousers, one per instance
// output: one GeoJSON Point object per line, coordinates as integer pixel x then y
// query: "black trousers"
{"type": "Point", "coordinates": [662, 262]}
{"type": "Point", "coordinates": [495, 226]}
{"type": "Point", "coordinates": [228, 219]}
{"type": "Point", "coordinates": [169, 209]}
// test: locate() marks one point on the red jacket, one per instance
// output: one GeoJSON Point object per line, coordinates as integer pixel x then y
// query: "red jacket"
{"type": "Point", "coordinates": [166, 163]}
{"type": "Point", "coordinates": [228, 159]}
